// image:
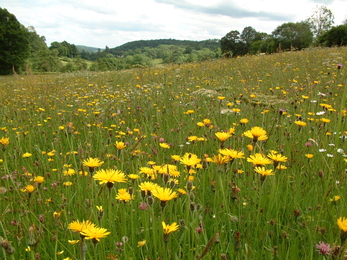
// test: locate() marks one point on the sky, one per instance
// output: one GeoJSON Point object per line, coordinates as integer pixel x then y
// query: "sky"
{"type": "Point", "coordinates": [100, 23]}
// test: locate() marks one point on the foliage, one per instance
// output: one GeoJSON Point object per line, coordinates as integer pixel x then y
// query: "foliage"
{"type": "Point", "coordinates": [336, 36]}
{"type": "Point", "coordinates": [321, 20]}
{"type": "Point", "coordinates": [120, 50]}
{"type": "Point", "coordinates": [232, 45]}
{"type": "Point", "coordinates": [14, 43]}
{"type": "Point", "coordinates": [65, 49]}
{"type": "Point", "coordinates": [293, 35]}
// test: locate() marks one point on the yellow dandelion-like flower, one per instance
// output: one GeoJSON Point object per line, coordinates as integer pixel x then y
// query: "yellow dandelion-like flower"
{"type": "Point", "coordinates": [124, 195]}
{"type": "Point", "coordinates": [164, 145]}
{"type": "Point", "coordinates": [263, 171]}
{"type": "Point", "coordinates": [256, 134]}
{"type": "Point", "coordinates": [141, 243]}
{"type": "Point", "coordinates": [190, 159]}
{"type": "Point", "coordinates": [164, 194]}
{"type": "Point", "coordinates": [30, 188]}
{"type": "Point", "coordinates": [167, 229]}
{"type": "Point", "coordinates": [39, 179]}
{"type": "Point", "coordinates": [148, 186]}
{"type": "Point", "coordinates": [69, 172]}
{"type": "Point", "coordinates": [300, 123]}
{"type": "Point", "coordinates": [335, 198]}
{"type": "Point", "coordinates": [91, 163]}
{"type": "Point", "coordinates": [222, 136]}
{"type": "Point", "coordinates": [309, 155]}
{"type": "Point", "coordinates": [4, 141]}
{"type": "Point", "coordinates": [342, 223]}
{"type": "Point", "coordinates": [95, 233]}
{"type": "Point", "coordinates": [73, 242]}
{"type": "Point", "coordinates": [77, 226]}
{"type": "Point", "coordinates": [220, 159]}
{"type": "Point", "coordinates": [259, 159]}
{"type": "Point", "coordinates": [233, 154]}
{"type": "Point", "coordinates": [325, 120]}
{"type": "Point", "coordinates": [244, 121]}
{"type": "Point", "coordinates": [26, 155]}
{"type": "Point", "coordinates": [109, 176]}
{"type": "Point", "coordinates": [120, 145]}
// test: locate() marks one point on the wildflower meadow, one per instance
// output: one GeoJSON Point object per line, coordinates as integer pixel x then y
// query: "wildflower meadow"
{"type": "Point", "coordinates": [241, 158]}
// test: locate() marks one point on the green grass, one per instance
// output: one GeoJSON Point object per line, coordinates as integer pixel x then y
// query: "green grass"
{"type": "Point", "coordinates": [230, 213]}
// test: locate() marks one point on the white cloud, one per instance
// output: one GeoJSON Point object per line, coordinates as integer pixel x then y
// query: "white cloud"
{"type": "Point", "coordinates": [112, 23]}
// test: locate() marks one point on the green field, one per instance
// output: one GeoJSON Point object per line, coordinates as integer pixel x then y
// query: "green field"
{"type": "Point", "coordinates": [243, 158]}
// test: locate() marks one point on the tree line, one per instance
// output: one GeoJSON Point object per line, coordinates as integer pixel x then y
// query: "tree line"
{"type": "Point", "coordinates": [22, 49]}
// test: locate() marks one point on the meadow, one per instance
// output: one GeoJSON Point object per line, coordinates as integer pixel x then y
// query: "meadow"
{"type": "Point", "coordinates": [241, 158]}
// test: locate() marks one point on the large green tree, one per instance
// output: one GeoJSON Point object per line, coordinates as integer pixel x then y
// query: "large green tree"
{"type": "Point", "coordinates": [293, 35]}
{"type": "Point", "coordinates": [14, 43]}
{"type": "Point", "coordinates": [232, 45]}
{"type": "Point", "coordinates": [336, 36]}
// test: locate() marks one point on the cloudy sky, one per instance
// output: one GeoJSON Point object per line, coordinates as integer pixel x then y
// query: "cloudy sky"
{"type": "Point", "coordinates": [98, 23]}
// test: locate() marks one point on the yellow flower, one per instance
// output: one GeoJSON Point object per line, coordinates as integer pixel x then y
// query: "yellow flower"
{"type": "Point", "coordinates": [141, 243]}
{"type": "Point", "coordinates": [249, 147]}
{"type": "Point", "coordinates": [91, 163]}
{"type": "Point", "coordinates": [95, 233]}
{"type": "Point", "coordinates": [342, 222]}
{"type": "Point", "coordinates": [259, 159]}
{"type": "Point", "coordinates": [169, 228]}
{"type": "Point", "coordinates": [69, 172]}
{"type": "Point", "coordinates": [164, 145]}
{"type": "Point", "coordinates": [120, 145]}
{"type": "Point", "coordinates": [73, 242]}
{"type": "Point", "coordinates": [39, 179]}
{"type": "Point", "coordinates": [325, 120]}
{"type": "Point", "coordinates": [134, 176]}
{"type": "Point", "coordinates": [300, 123]}
{"type": "Point", "coordinates": [263, 171]}
{"type": "Point", "coordinates": [222, 136]}
{"type": "Point", "coordinates": [256, 134]}
{"type": "Point", "coordinates": [164, 194]}
{"type": "Point", "coordinates": [244, 121]}
{"type": "Point", "coordinates": [190, 159]}
{"type": "Point", "coordinates": [109, 176]}
{"type": "Point", "coordinates": [67, 183]}
{"type": "Point", "coordinates": [4, 141]}
{"type": "Point", "coordinates": [148, 186]}
{"type": "Point", "coordinates": [309, 155]}
{"type": "Point", "coordinates": [30, 188]}
{"type": "Point", "coordinates": [233, 154]}
{"type": "Point", "coordinates": [220, 159]}
{"type": "Point", "coordinates": [124, 195]}
{"type": "Point", "coordinates": [335, 198]}
{"type": "Point", "coordinates": [26, 155]}
{"type": "Point", "coordinates": [221, 97]}
{"type": "Point", "coordinates": [176, 157]}
{"type": "Point", "coordinates": [77, 226]}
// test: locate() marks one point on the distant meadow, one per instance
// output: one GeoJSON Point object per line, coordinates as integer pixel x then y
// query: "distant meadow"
{"type": "Point", "coordinates": [242, 158]}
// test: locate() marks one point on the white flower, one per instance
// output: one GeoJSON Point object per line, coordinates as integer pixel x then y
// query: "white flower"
{"type": "Point", "coordinates": [340, 150]}
{"type": "Point", "coordinates": [330, 155]}
{"type": "Point", "coordinates": [322, 150]}
{"type": "Point", "coordinates": [320, 113]}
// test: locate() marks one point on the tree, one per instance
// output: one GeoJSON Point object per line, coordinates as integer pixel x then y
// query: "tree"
{"type": "Point", "coordinates": [36, 42]}
{"type": "Point", "coordinates": [14, 43]}
{"type": "Point", "coordinates": [335, 36]}
{"type": "Point", "coordinates": [293, 35]}
{"type": "Point", "coordinates": [232, 45]}
{"type": "Point", "coordinates": [321, 21]}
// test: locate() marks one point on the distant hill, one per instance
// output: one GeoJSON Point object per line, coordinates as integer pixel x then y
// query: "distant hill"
{"type": "Point", "coordinates": [212, 44]}
{"type": "Point", "coordinates": [80, 48]}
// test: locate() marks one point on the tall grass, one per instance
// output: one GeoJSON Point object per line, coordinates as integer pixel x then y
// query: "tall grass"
{"type": "Point", "coordinates": [223, 211]}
